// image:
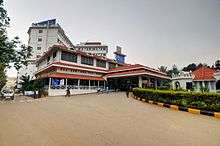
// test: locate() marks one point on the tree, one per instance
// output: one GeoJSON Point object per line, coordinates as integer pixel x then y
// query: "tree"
{"type": "Point", "coordinates": [8, 52]}
{"type": "Point", "coordinates": [2, 76]}
{"type": "Point", "coordinates": [31, 85]}
{"type": "Point", "coordinates": [25, 83]}
{"type": "Point", "coordinates": [217, 64]}
{"type": "Point", "coordinates": [190, 67]}
{"type": "Point", "coordinates": [163, 69]}
{"type": "Point", "coordinates": [173, 71]}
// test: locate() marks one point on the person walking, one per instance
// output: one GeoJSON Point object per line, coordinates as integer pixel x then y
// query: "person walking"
{"type": "Point", "coordinates": [128, 90]}
{"type": "Point", "coordinates": [68, 92]}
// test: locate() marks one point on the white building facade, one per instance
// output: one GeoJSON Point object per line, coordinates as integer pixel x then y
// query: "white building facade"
{"type": "Point", "coordinates": [183, 80]}
{"type": "Point", "coordinates": [42, 35]}
{"type": "Point", "coordinates": [199, 80]}
{"type": "Point", "coordinates": [94, 48]}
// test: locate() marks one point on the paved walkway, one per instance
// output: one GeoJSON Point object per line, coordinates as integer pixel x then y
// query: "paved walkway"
{"type": "Point", "coordinates": [105, 119]}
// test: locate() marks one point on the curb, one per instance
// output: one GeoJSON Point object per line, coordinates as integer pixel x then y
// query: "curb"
{"type": "Point", "coordinates": [182, 108]}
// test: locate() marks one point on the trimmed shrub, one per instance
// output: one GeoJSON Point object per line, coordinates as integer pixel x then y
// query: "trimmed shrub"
{"type": "Point", "coordinates": [203, 101]}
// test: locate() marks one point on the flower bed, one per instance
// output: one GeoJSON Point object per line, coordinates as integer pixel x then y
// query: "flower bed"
{"type": "Point", "coordinates": [203, 101]}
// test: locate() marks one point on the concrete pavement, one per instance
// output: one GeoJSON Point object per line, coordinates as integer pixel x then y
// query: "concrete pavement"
{"type": "Point", "coordinates": [104, 119]}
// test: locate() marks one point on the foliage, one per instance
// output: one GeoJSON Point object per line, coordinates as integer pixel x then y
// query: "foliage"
{"type": "Point", "coordinates": [217, 64]}
{"type": "Point", "coordinates": [31, 85]}
{"type": "Point", "coordinates": [2, 76]}
{"type": "Point", "coordinates": [174, 71]}
{"type": "Point", "coordinates": [203, 101]}
{"type": "Point", "coordinates": [163, 69]}
{"type": "Point", "coordinates": [165, 85]}
{"type": "Point", "coordinates": [25, 83]}
{"type": "Point", "coordinates": [8, 52]}
{"type": "Point", "coordinates": [190, 67]}
{"type": "Point", "coordinates": [204, 89]}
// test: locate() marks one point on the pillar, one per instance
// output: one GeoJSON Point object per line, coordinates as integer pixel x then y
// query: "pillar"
{"type": "Point", "coordinates": [78, 83]}
{"type": "Point", "coordinates": [209, 86]}
{"type": "Point", "coordinates": [89, 85]}
{"type": "Point", "coordinates": [155, 83]}
{"type": "Point", "coordinates": [79, 59]}
{"type": "Point", "coordinates": [203, 84]}
{"type": "Point", "coordinates": [98, 84]}
{"type": "Point", "coordinates": [140, 82]}
{"type": "Point", "coordinates": [94, 61]}
{"type": "Point", "coordinates": [49, 84]}
{"type": "Point", "coordinates": [66, 84]}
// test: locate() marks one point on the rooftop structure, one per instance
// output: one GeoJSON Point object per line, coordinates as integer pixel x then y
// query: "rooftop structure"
{"type": "Point", "coordinates": [119, 57]}
{"type": "Point", "coordinates": [95, 48]}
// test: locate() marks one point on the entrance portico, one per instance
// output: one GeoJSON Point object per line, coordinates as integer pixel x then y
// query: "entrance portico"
{"type": "Point", "coordinates": [58, 84]}
{"type": "Point", "coordinates": [135, 76]}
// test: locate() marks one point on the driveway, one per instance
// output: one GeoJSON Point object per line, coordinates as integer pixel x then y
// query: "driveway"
{"type": "Point", "coordinates": [104, 119]}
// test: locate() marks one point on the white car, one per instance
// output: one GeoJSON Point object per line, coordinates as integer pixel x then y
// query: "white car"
{"type": "Point", "coordinates": [8, 93]}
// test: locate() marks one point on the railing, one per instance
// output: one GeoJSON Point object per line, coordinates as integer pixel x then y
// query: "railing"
{"type": "Point", "coordinates": [75, 87]}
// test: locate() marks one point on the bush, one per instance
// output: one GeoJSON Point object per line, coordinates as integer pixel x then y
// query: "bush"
{"type": "Point", "coordinates": [203, 101]}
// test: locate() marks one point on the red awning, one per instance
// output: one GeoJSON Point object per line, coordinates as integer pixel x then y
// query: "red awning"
{"type": "Point", "coordinates": [72, 76]}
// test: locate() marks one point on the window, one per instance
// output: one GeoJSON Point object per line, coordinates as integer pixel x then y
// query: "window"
{"type": "Point", "coordinates": [66, 56]}
{"type": "Point", "coordinates": [40, 31]}
{"type": "Point", "coordinates": [38, 48]}
{"type": "Point", "coordinates": [48, 59]}
{"type": "Point", "coordinates": [86, 60]}
{"type": "Point", "coordinates": [101, 63]}
{"type": "Point", "coordinates": [112, 65]}
{"type": "Point", "coordinates": [54, 54]}
{"type": "Point", "coordinates": [39, 39]}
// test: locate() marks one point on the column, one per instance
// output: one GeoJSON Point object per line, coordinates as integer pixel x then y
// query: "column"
{"type": "Point", "coordinates": [58, 58]}
{"type": "Point", "coordinates": [78, 83]}
{"type": "Point", "coordinates": [49, 84]}
{"type": "Point", "coordinates": [66, 84]}
{"type": "Point", "coordinates": [94, 61]}
{"type": "Point", "coordinates": [98, 84]}
{"type": "Point", "coordinates": [203, 84]}
{"type": "Point", "coordinates": [107, 65]}
{"type": "Point", "coordinates": [104, 84]}
{"type": "Point", "coordinates": [155, 83]}
{"type": "Point", "coordinates": [139, 81]}
{"type": "Point", "coordinates": [209, 86]}
{"type": "Point", "coordinates": [78, 59]}
{"type": "Point", "coordinates": [89, 85]}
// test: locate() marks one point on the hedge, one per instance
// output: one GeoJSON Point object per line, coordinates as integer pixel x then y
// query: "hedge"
{"type": "Point", "coordinates": [203, 101]}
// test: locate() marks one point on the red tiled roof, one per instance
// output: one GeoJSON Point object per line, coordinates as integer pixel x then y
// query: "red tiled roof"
{"type": "Point", "coordinates": [126, 72]}
{"type": "Point", "coordinates": [204, 73]}
{"type": "Point", "coordinates": [134, 67]}
{"type": "Point", "coordinates": [72, 76]}
{"type": "Point", "coordinates": [81, 66]}
{"type": "Point", "coordinates": [126, 67]}
{"type": "Point", "coordinates": [64, 48]}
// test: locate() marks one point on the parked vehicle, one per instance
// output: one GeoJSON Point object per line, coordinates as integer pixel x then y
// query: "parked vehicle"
{"type": "Point", "coordinates": [8, 93]}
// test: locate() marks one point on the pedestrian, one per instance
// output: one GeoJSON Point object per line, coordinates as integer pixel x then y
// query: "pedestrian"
{"type": "Point", "coordinates": [128, 91]}
{"type": "Point", "coordinates": [107, 89]}
{"type": "Point", "coordinates": [68, 92]}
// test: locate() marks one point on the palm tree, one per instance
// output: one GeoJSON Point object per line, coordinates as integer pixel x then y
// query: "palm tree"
{"type": "Point", "coordinates": [25, 83]}
{"type": "Point", "coordinates": [31, 85]}
{"type": "Point", "coordinates": [163, 69]}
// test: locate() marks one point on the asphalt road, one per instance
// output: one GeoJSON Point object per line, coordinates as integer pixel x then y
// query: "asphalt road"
{"type": "Point", "coordinates": [105, 119]}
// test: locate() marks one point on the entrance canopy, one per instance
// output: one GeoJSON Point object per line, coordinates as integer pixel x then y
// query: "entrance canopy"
{"type": "Point", "coordinates": [135, 70]}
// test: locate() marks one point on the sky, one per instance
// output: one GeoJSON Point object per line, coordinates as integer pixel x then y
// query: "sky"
{"type": "Point", "coordinates": [150, 32]}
